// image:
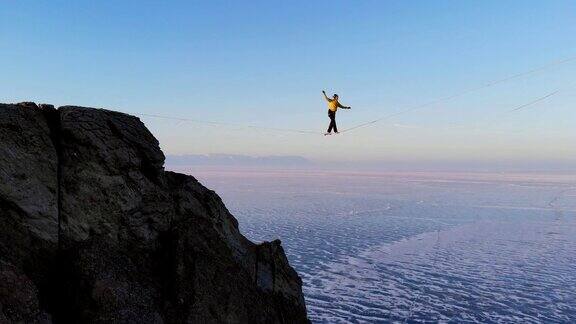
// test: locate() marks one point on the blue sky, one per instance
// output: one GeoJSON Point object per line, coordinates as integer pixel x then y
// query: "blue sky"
{"type": "Point", "coordinates": [265, 63]}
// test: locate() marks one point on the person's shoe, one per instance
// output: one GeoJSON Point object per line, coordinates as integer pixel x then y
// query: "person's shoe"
{"type": "Point", "coordinates": [336, 132]}
{"type": "Point", "coordinates": [327, 134]}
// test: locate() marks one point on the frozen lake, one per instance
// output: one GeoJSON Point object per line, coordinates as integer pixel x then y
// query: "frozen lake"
{"type": "Point", "coordinates": [416, 247]}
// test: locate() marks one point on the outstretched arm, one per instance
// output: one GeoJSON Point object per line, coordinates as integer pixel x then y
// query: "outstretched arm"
{"type": "Point", "coordinates": [343, 107]}
{"type": "Point", "coordinates": [325, 96]}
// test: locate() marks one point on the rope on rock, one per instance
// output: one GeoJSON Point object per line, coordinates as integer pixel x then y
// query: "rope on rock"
{"type": "Point", "coordinates": [301, 131]}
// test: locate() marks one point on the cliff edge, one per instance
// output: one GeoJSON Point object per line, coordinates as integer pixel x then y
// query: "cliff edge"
{"type": "Point", "coordinates": [94, 230]}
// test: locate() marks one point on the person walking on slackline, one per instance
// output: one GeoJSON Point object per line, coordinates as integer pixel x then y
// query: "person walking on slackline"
{"type": "Point", "coordinates": [333, 105]}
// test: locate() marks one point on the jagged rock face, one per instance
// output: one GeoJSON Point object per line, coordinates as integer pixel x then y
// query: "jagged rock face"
{"type": "Point", "coordinates": [92, 229]}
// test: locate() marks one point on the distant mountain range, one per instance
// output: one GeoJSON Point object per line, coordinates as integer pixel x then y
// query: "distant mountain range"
{"type": "Point", "coordinates": [236, 160]}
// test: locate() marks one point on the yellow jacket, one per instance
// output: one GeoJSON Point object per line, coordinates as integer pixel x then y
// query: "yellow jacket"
{"type": "Point", "coordinates": [333, 104]}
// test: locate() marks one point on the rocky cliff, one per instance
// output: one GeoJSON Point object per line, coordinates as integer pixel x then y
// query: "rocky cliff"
{"type": "Point", "coordinates": [93, 230]}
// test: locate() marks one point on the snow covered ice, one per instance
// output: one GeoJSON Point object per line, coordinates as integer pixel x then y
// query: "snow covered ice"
{"type": "Point", "coordinates": [417, 247]}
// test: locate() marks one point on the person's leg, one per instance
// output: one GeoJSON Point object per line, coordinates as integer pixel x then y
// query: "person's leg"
{"type": "Point", "coordinates": [332, 122]}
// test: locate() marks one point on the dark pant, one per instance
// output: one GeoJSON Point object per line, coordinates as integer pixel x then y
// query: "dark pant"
{"type": "Point", "coordinates": [332, 115]}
